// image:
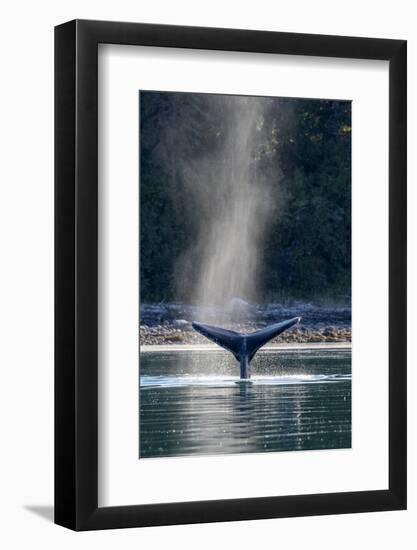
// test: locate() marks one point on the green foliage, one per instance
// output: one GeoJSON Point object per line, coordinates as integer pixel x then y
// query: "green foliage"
{"type": "Point", "coordinates": [305, 152]}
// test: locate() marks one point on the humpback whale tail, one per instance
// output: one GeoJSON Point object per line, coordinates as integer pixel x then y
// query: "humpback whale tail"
{"type": "Point", "coordinates": [243, 346]}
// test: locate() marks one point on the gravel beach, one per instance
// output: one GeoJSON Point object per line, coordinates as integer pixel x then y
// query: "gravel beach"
{"type": "Point", "coordinates": [171, 323]}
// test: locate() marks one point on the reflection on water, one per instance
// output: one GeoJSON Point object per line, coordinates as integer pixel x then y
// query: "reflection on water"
{"type": "Point", "coordinates": [193, 403]}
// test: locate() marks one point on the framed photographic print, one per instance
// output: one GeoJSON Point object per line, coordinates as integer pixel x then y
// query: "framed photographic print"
{"type": "Point", "coordinates": [230, 337]}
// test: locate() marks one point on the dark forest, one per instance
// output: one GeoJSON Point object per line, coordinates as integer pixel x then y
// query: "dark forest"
{"type": "Point", "coordinates": [303, 150]}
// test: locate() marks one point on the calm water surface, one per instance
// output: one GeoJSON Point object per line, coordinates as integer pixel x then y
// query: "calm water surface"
{"type": "Point", "coordinates": [192, 402]}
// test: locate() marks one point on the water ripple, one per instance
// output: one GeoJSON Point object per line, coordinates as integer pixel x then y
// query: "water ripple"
{"type": "Point", "coordinates": [147, 381]}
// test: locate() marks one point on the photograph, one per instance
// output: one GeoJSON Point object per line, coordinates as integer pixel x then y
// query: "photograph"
{"type": "Point", "coordinates": [245, 274]}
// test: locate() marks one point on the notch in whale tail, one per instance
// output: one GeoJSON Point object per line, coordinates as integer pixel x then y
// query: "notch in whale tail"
{"type": "Point", "coordinates": [243, 346]}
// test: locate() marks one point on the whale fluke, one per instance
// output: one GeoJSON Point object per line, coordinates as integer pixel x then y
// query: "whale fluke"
{"type": "Point", "coordinates": [243, 346]}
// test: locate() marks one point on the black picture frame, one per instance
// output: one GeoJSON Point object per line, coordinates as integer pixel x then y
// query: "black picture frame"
{"type": "Point", "coordinates": [76, 272]}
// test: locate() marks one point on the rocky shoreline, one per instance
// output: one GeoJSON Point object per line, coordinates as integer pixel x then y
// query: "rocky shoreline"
{"type": "Point", "coordinates": [171, 323]}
